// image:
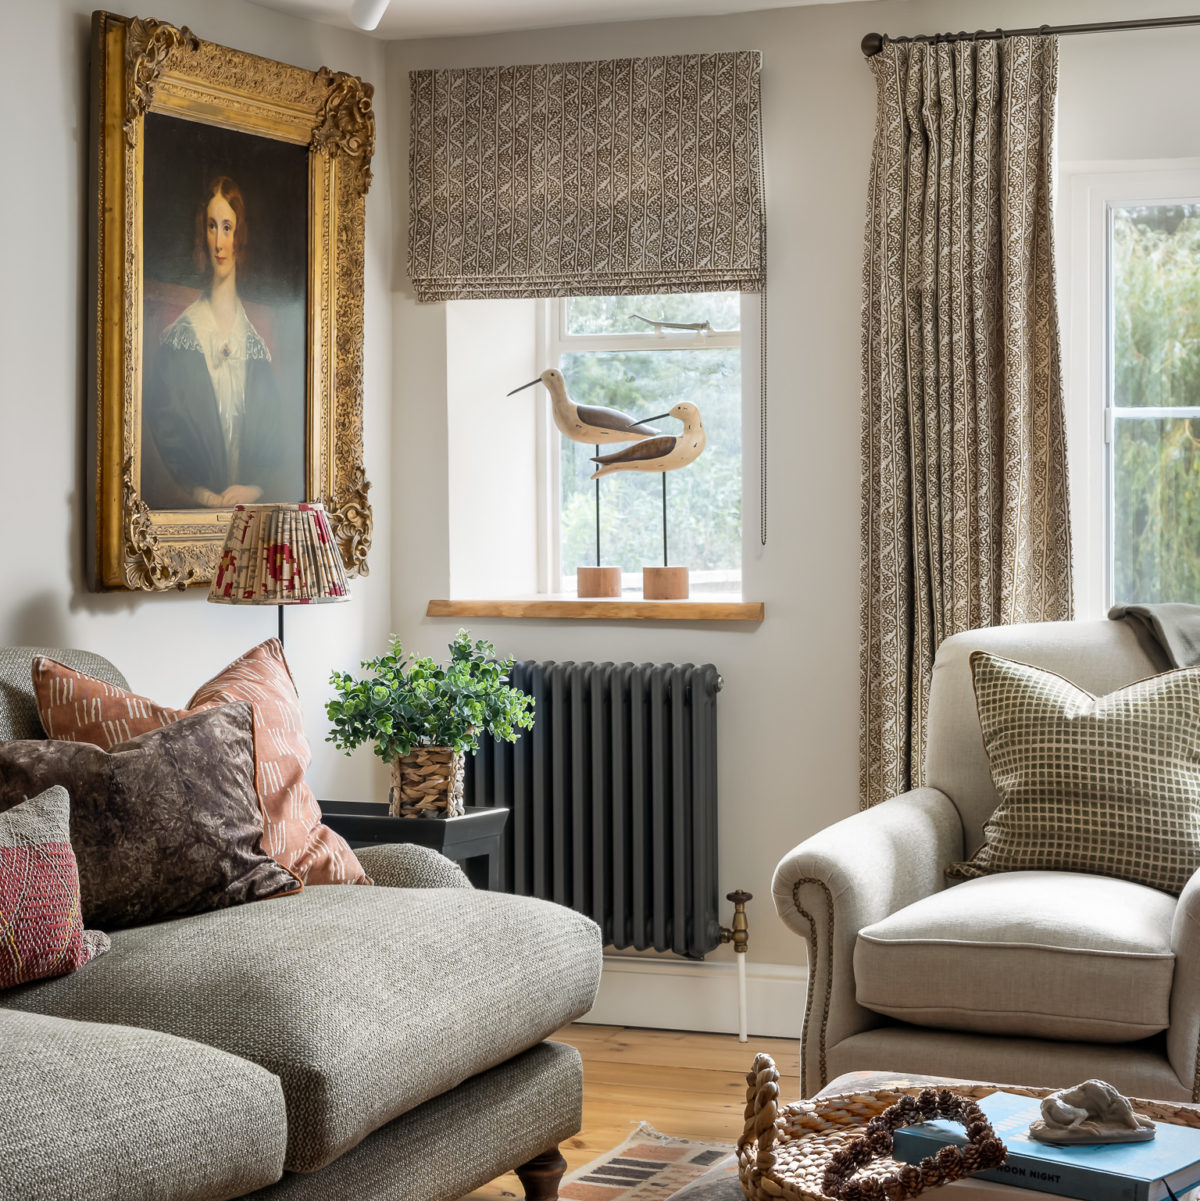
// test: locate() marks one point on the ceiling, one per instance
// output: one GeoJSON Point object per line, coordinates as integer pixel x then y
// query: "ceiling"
{"type": "Point", "coordinates": [452, 18]}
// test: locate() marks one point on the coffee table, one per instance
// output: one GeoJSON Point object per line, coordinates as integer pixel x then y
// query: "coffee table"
{"type": "Point", "coordinates": [720, 1183]}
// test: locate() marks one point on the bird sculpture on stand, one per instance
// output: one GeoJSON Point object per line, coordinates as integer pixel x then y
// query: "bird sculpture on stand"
{"type": "Point", "coordinates": [587, 423]}
{"type": "Point", "coordinates": [595, 424]}
{"type": "Point", "coordinates": [668, 452]}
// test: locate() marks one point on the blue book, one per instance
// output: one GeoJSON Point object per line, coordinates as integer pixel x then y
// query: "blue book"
{"type": "Point", "coordinates": [1150, 1171]}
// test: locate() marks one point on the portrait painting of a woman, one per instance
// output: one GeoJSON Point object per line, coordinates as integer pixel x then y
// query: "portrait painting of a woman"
{"type": "Point", "coordinates": [211, 403]}
{"type": "Point", "coordinates": [215, 430]}
{"type": "Point", "coordinates": [226, 242]}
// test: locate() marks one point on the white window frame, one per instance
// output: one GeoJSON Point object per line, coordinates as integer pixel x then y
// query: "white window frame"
{"type": "Point", "coordinates": [1092, 191]}
{"type": "Point", "coordinates": [553, 341]}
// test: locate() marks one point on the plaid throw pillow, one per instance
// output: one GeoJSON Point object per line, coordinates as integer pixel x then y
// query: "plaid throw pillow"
{"type": "Point", "coordinates": [41, 922]}
{"type": "Point", "coordinates": [1108, 785]}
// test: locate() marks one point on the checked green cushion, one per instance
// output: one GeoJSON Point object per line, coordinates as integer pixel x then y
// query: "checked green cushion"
{"type": "Point", "coordinates": [1108, 785]}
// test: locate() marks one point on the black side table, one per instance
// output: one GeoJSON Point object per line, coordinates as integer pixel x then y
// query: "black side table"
{"type": "Point", "coordinates": [472, 839]}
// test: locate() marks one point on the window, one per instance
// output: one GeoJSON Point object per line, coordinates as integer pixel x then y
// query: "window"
{"type": "Point", "coordinates": [1134, 385]}
{"type": "Point", "coordinates": [610, 356]}
{"type": "Point", "coordinates": [1154, 398]}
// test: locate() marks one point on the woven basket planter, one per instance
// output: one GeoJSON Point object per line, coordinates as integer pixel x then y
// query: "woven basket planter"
{"type": "Point", "coordinates": [784, 1151]}
{"type": "Point", "coordinates": [427, 782]}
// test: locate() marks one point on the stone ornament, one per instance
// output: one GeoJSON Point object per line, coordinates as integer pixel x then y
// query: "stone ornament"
{"type": "Point", "coordinates": [1091, 1112]}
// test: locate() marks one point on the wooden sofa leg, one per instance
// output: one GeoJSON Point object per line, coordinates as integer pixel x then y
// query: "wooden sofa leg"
{"type": "Point", "coordinates": [540, 1176]}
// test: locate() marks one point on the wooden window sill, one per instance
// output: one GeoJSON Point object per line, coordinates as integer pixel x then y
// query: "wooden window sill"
{"type": "Point", "coordinates": [601, 610]}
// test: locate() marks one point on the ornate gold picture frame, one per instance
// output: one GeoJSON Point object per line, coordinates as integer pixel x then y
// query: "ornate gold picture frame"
{"type": "Point", "coordinates": [229, 197]}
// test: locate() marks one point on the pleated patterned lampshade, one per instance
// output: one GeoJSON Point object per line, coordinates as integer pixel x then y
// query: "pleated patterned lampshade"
{"type": "Point", "coordinates": [279, 555]}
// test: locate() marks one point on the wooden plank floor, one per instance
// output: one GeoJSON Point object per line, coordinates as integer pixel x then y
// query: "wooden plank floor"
{"type": "Point", "coordinates": [686, 1084]}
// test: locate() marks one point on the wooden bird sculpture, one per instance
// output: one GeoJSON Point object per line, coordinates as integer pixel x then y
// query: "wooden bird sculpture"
{"type": "Point", "coordinates": [668, 452]}
{"type": "Point", "coordinates": [587, 423]}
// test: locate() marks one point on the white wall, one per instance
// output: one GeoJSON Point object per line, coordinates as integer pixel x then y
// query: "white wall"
{"type": "Point", "coordinates": [789, 712]}
{"type": "Point", "coordinates": [165, 644]}
{"type": "Point", "coordinates": [493, 503]}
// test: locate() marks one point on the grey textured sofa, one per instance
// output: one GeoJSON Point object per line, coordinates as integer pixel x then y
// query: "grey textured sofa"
{"type": "Point", "coordinates": [344, 1042]}
{"type": "Point", "coordinates": [1043, 978]}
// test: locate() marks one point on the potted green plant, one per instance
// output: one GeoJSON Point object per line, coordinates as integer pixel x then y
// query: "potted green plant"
{"type": "Point", "coordinates": [424, 718]}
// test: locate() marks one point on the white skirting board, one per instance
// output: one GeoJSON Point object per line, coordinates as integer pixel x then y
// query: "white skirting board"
{"type": "Point", "coordinates": [682, 995]}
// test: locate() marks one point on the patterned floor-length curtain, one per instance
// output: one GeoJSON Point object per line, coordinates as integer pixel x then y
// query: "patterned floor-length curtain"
{"type": "Point", "coordinates": [964, 484]}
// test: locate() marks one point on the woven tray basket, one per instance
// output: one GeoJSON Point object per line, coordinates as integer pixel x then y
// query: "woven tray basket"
{"type": "Point", "coordinates": [783, 1152]}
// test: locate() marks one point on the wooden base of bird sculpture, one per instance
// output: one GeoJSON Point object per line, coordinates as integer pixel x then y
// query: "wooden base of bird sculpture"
{"type": "Point", "coordinates": [595, 582]}
{"type": "Point", "coordinates": [665, 583]}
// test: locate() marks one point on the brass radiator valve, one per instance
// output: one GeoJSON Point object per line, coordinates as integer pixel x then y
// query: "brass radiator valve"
{"type": "Point", "coordinates": [739, 933]}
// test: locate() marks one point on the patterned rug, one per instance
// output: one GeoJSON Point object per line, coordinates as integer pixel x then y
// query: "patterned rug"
{"type": "Point", "coordinates": [649, 1166]}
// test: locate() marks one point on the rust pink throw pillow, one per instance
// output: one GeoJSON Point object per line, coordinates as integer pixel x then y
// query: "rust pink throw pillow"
{"type": "Point", "coordinates": [77, 707]}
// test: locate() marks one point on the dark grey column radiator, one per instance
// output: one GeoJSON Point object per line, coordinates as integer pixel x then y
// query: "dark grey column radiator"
{"type": "Point", "coordinates": [613, 796]}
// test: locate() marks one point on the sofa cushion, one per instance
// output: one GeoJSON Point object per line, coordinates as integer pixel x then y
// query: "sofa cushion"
{"type": "Point", "coordinates": [364, 1001]}
{"type": "Point", "coordinates": [1045, 954]}
{"type": "Point", "coordinates": [41, 923]}
{"type": "Point", "coordinates": [1109, 784]}
{"type": "Point", "coordinates": [166, 823]}
{"type": "Point", "coordinates": [73, 705]}
{"type": "Point", "coordinates": [513, 1112]}
{"type": "Point", "coordinates": [91, 1111]}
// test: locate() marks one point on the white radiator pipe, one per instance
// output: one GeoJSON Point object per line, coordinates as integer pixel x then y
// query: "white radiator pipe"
{"type": "Point", "coordinates": [742, 1021]}
{"type": "Point", "coordinates": [739, 935]}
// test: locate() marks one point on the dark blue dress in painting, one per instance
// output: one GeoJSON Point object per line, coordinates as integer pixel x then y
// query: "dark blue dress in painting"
{"type": "Point", "coordinates": [212, 408]}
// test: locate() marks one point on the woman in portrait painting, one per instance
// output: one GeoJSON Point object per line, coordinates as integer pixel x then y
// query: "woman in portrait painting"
{"type": "Point", "coordinates": [211, 403]}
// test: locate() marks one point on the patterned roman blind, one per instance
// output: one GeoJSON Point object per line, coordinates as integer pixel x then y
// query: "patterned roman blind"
{"type": "Point", "coordinates": [568, 179]}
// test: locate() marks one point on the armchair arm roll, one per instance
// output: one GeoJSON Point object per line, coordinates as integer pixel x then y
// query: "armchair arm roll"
{"type": "Point", "coordinates": [408, 865]}
{"type": "Point", "coordinates": [1183, 1034]}
{"type": "Point", "coordinates": [845, 877]}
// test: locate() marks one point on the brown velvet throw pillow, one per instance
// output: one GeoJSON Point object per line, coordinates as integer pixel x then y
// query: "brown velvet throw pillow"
{"type": "Point", "coordinates": [79, 707]}
{"type": "Point", "coordinates": [162, 825]}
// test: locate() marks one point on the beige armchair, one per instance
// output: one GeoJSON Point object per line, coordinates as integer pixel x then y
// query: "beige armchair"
{"type": "Point", "coordinates": [1042, 978]}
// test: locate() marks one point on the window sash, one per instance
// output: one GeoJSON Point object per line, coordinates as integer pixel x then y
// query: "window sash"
{"type": "Point", "coordinates": [1092, 192]}
{"type": "Point", "coordinates": [1150, 414]}
{"type": "Point", "coordinates": [553, 343]}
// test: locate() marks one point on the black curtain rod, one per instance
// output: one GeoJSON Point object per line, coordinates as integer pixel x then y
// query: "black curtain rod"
{"type": "Point", "coordinates": [873, 43]}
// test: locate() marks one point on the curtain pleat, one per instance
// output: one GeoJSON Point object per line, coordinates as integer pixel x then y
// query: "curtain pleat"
{"type": "Point", "coordinates": [596, 178]}
{"type": "Point", "coordinates": [964, 478]}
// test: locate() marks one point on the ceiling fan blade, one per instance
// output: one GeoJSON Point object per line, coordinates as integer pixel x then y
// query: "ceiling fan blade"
{"type": "Point", "coordinates": [367, 14]}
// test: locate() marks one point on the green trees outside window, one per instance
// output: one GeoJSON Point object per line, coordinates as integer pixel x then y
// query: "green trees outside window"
{"type": "Point", "coordinates": [1155, 399]}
